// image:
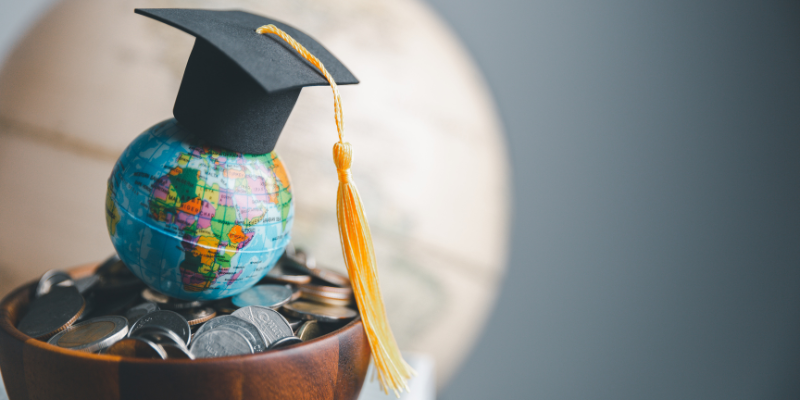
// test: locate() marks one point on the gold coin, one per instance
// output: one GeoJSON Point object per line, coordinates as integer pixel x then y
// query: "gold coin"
{"type": "Point", "coordinates": [321, 312]}
{"type": "Point", "coordinates": [92, 335]}
{"type": "Point", "coordinates": [169, 303]}
{"type": "Point", "coordinates": [341, 293]}
{"type": "Point", "coordinates": [309, 330]}
{"type": "Point", "coordinates": [295, 293]}
{"type": "Point", "coordinates": [325, 300]}
{"type": "Point", "coordinates": [224, 307]}
{"type": "Point", "coordinates": [330, 276]}
{"type": "Point", "coordinates": [195, 316]}
{"type": "Point", "coordinates": [84, 334]}
{"type": "Point", "coordinates": [66, 325]}
{"type": "Point", "coordinates": [280, 274]}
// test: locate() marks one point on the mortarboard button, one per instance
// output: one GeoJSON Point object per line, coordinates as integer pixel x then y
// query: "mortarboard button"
{"type": "Point", "coordinates": [240, 87]}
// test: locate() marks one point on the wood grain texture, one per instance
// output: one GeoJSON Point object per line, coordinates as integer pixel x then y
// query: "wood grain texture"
{"type": "Point", "coordinates": [332, 366]}
{"type": "Point", "coordinates": [12, 342]}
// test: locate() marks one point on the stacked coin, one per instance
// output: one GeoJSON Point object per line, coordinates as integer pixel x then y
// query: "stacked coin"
{"type": "Point", "coordinates": [321, 285]}
{"type": "Point", "coordinates": [113, 312]}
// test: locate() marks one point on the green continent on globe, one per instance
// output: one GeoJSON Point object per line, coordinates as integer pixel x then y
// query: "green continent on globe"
{"type": "Point", "coordinates": [212, 229]}
{"type": "Point", "coordinates": [213, 204]}
{"type": "Point", "coordinates": [112, 214]}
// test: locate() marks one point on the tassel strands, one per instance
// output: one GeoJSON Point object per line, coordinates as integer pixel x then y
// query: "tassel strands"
{"type": "Point", "coordinates": [357, 249]}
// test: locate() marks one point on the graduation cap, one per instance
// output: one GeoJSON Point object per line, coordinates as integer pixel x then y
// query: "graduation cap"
{"type": "Point", "coordinates": [240, 86]}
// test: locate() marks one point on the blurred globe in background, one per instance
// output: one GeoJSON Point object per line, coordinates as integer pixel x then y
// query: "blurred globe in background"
{"type": "Point", "coordinates": [430, 159]}
{"type": "Point", "coordinates": [197, 222]}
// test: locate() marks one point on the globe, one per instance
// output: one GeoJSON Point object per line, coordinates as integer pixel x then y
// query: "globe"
{"type": "Point", "coordinates": [193, 221]}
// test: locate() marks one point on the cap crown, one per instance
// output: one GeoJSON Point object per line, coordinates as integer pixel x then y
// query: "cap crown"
{"type": "Point", "coordinates": [239, 86]}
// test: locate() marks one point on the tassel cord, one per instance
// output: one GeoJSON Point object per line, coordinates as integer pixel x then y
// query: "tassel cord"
{"type": "Point", "coordinates": [337, 100]}
{"type": "Point", "coordinates": [357, 249]}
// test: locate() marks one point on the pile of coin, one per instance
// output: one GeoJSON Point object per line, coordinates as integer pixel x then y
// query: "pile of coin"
{"type": "Point", "coordinates": [113, 312]}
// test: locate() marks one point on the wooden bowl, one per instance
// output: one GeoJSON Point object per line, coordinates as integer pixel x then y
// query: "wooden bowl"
{"type": "Point", "coordinates": [332, 366]}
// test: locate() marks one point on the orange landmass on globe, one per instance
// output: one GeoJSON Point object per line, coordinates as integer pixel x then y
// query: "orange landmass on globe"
{"type": "Point", "coordinates": [236, 235]}
{"type": "Point", "coordinates": [206, 249]}
{"type": "Point", "coordinates": [192, 206]}
{"type": "Point", "coordinates": [233, 173]}
{"type": "Point", "coordinates": [280, 172]}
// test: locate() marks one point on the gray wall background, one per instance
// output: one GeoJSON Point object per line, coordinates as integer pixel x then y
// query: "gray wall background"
{"type": "Point", "coordinates": [656, 156]}
{"type": "Point", "coordinates": [656, 245]}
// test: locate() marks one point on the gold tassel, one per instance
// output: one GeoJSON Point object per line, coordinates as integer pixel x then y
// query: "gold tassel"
{"type": "Point", "coordinates": [359, 256]}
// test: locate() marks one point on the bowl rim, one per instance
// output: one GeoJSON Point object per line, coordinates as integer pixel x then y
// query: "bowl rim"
{"type": "Point", "coordinates": [17, 300]}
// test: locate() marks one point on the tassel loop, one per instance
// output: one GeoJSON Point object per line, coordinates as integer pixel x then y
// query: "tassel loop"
{"type": "Point", "coordinates": [343, 158]}
{"type": "Point", "coordinates": [342, 155]}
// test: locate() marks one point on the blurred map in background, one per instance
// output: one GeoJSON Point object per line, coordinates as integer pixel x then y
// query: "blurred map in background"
{"type": "Point", "coordinates": [430, 158]}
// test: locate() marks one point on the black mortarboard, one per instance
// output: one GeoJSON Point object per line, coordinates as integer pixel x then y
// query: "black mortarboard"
{"type": "Point", "coordinates": [240, 86]}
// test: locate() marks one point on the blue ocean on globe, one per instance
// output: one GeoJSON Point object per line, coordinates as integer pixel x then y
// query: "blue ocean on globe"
{"type": "Point", "coordinates": [194, 221]}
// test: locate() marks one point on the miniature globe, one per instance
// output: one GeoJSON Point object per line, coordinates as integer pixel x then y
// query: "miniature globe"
{"type": "Point", "coordinates": [194, 221]}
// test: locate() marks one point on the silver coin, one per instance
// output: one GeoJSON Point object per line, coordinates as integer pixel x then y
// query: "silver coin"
{"type": "Point", "coordinates": [246, 328]}
{"type": "Point", "coordinates": [170, 303]}
{"type": "Point", "coordinates": [113, 284]}
{"type": "Point", "coordinates": [305, 258]}
{"type": "Point", "coordinates": [177, 352]}
{"type": "Point", "coordinates": [294, 323]}
{"type": "Point", "coordinates": [294, 262]}
{"type": "Point", "coordinates": [115, 277]}
{"type": "Point", "coordinates": [220, 342]}
{"type": "Point", "coordinates": [272, 296]}
{"type": "Point", "coordinates": [52, 313]}
{"type": "Point", "coordinates": [137, 347]}
{"type": "Point", "coordinates": [167, 319]}
{"type": "Point", "coordinates": [139, 311]}
{"type": "Point", "coordinates": [158, 334]}
{"type": "Point", "coordinates": [52, 278]}
{"type": "Point", "coordinates": [92, 335]}
{"type": "Point", "coordinates": [107, 263]}
{"type": "Point", "coordinates": [271, 324]}
{"type": "Point", "coordinates": [155, 297]}
{"type": "Point", "coordinates": [88, 309]}
{"type": "Point", "coordinates": [280, 274]}
{"type": "Point", "coordinates": [110, 304]}
{"type": "Point", "coordinates": [296, 292]}
{"type": "Point", "coordinates": [84, 284]}
{"type": "Point", "coordinates": [284, 341]}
